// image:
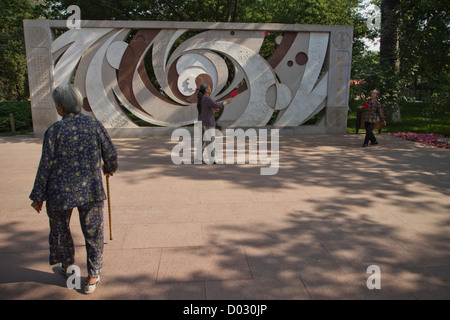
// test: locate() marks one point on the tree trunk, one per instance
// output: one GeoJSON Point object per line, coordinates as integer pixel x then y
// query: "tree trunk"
{"type": "Point", "coordinates": [389, 57]}
{"type": "Point", "coordinates": [389, 35]}
{"type": "Point", "coordinates": [231, 15]}
{"type": "Point", "coordinates": [230, 10]}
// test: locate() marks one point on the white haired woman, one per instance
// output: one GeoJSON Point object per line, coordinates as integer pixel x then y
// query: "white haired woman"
{"type": "Point", "coordinates": [372, 110]}
{"type": "Point", "coordinates": [70, 176]}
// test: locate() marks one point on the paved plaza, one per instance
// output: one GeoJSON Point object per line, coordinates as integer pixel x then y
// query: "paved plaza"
{"type": "Point", "coordinates": [213, 232]}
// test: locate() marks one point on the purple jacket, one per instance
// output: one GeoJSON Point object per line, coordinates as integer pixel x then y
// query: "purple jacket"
{"type": "Point", "coordinates": [207, 114]}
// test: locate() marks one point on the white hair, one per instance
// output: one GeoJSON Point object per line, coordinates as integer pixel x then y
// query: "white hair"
{"type": "Point", "coordinates": [69, 98]}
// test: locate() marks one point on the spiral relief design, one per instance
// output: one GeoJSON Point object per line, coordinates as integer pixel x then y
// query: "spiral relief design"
{"type": "Point", "coordinates": [111, 73]}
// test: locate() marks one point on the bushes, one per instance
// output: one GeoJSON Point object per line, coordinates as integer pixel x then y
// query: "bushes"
{"type": "Point", "coordinates": [437, 110]}
{"type": "Point", "coordinates": [432, 115]}
{"type": "Point", "coordinates": [22, 115]}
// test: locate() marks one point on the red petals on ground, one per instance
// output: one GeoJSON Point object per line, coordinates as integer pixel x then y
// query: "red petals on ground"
{"type": "Point", "coordinates": [432, 139]}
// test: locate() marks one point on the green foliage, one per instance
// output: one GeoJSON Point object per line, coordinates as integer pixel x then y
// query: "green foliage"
{"type": "Point", "coordinates": [423, 33]}
{"type": "Point", "coordinates": [338, 12]}
{"type": "Point", "coordinates": [365, 69]}
{"type": "Point", "coordinates": [13, 68]}
{"type": "Point", "coordinates": [107, 10]}
{"type": "Point", "coordinates": [393, 87]}
{"type": "Point", "coordinates": [437, 109]}
{"type": "Point", "coordinates": [258, 11]}
{"type": "Point", "coordinates": [423, 59]}
{"type": "Point", "coordinates": [413, 120]}
{"type": "Point", "coordinates": [22, 115]}
{"type": "Point", "coordinates": [13, 76]}
{"type": "Point", "coordinates": [424, 42]}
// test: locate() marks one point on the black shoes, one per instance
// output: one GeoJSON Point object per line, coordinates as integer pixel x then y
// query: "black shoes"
{"type": "Point", "coordinates": [372, 143]}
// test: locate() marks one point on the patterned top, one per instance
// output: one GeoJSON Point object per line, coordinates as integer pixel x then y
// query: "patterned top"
{"type": "Point", "coordinates": [69, 173]}
{"type": "Point", "coordinates": [370, 115]}
{"type": "Point", "coordinates": [207, 114]}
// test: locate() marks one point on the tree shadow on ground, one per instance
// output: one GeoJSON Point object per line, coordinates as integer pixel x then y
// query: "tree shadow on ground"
{"type": "Point", "coordinates": [329, 244]}
{"type": "Point", "coordinates": [385, 206]}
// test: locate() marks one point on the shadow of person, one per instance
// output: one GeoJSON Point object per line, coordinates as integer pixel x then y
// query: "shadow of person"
{"type": "Point", "coordinates": [20, 274]}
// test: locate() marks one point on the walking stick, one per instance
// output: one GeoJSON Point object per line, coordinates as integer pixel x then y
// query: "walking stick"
{"type": "Point", "coordinates": [109, 207]}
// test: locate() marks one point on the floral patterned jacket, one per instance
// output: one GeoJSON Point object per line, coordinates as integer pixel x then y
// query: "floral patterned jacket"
{"type": "Point", "coordinates": [370, 115]}
{"type": "Point", "coordinates": [70, 170]}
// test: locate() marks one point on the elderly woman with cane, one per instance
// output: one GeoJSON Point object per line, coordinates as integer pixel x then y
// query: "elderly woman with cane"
{"type": "Point", "coordinates": [70, 176]}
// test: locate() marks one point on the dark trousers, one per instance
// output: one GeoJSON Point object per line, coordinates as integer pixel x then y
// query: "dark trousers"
{"type": "Point", "coordinates": [60, 239]}
{"type": "Point", "coordinates": [369, 133]}
{"type": "Point", "coordinates": [205, 144]}
{"type": "Point", "coordinates": [358, 120]}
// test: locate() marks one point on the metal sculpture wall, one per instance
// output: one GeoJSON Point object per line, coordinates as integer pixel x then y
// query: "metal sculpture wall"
{"type": "Point", "coordinates": [308, 72]}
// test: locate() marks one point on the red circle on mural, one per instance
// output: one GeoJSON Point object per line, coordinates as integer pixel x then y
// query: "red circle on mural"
{"type": "Point", "coordinates": [301, 58]}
